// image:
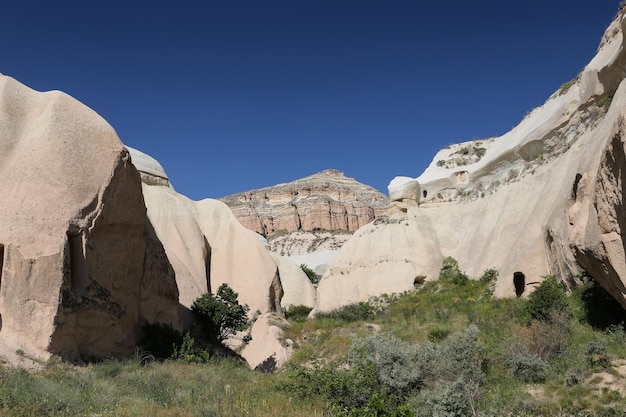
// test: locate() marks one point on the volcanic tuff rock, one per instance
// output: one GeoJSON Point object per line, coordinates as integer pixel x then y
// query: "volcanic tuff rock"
{"type": "Point", "coordinates": [207, 247]}
{"type": "Point", "coordinates": [326, 200]}
{"type": "Point", "coordinates": [545, 198]}
{"type": "Point", "coordinates": [80, 266]}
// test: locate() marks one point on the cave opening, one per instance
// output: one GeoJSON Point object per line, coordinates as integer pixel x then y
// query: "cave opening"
{"type": "Point", "coordinates": [519, 281]}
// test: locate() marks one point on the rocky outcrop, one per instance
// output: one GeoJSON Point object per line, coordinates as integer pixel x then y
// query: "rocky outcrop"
{"type": "Point", "coordinates": [207, 247]}
{"type": "Point", "coordinates": [545, 198]}
{"type": "Point", "coordinates": [326, 200]}
{"type": "Point", "coordinates": [79, 267]}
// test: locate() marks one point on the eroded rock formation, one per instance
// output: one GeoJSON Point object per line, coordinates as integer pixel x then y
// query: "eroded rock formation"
{"type": "Point", "coordinates": [326, 200]}
{"type": "Point", "coordinates": [545, 198]}
{"type": "Point", "coordinates": [79, 266]}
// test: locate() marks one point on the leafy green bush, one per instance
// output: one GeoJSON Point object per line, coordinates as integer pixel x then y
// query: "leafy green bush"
{"type": "Point", "coordinates": [313, 277]}
{"type": "Point", "coordinates": [350, 312]}
{"type": "Point", "coordinates": [221, 315]}
{"type": "Point", "coordinates": [450, 272]}
{"type": "Point", "coordinates": [527, 367]}
{"type": "Point", "coordinates": [297, 313]}
{"type": "Point", "coordinates": [160, 339]}
{"type": "Point", "coordinates": [490, 275]}
{"type": "Point", "coordinates": [188, 352]}
{"type": "Point", "coordinates": [547, 298]}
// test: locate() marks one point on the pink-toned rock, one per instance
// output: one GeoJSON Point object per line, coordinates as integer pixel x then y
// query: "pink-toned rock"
{"type": "Point", "coordinates": [75, 277]}
{"type": "Point", "coordinates": [326, 200]}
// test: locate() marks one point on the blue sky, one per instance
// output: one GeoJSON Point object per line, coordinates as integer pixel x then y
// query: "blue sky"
{"type": "Point", "coordinates": [236, 95]}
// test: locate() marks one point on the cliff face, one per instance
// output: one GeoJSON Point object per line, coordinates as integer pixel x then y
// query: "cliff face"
{"type": "Point", "coordinates": [545, 198]}
{"type": "Point", "coordinates": [326, 200]}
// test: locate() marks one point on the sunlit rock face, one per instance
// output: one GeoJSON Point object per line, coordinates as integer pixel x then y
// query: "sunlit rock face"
{"type": "Point", "coordinates": [208, 247]}
{"type": "Point", "coordinates": [545, 198]}
{"type": "Point", "coordinates": [326, 200]}
{"type": "Point", "coordinates": [74, 237]}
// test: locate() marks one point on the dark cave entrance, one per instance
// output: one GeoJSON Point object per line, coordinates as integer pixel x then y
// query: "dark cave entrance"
{"type": "Point", "coordinates": [519, 280]}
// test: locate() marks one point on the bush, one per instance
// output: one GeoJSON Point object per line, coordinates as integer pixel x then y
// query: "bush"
{"type": "Point", "coordinates": [221, 316]}
{"type": "Point", "coordinates": [451, 399]}
{"type": "Point", "coordinates": [297, 313]}
{"type": "Point", "coordinates": [350, 312]}
{"type": "Point", "coordinates": [450, 272]}
{"type": "Point", "coordinates": [527, 367]}
{"type": "Point", "coordinates": [547, 298]}
{"type": "Point", "coordinates": [188, 352]}
{"type": "Point", "coordinates": [395, 363]}
{"type": "Point", "coordinates": [596, 353]}
{"type": "Point", "coordinates": [313, 277]}
{"type": "Point", "coordinates": [490, 275]}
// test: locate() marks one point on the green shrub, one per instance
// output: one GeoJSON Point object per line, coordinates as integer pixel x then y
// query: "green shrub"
{"type": "Point", "coordinates": [221, 315]}
{"type": "Point", "coordinates": [438, 334]}
{"type": "Point", "coordinates": [350, 312]}
{"type": "Point", "coordinates": [188, 352]}
{"type": "Point", "coordinates": [451, 399]}
{"type": "Point", "coordinates": [395, 363]}
{"type": "Point", "coordinates": [527, 367]}
{"type": "Point", "coordinates": [313, 277]}
{"type": "Point", "coordinates": [547, 298]}
{"type": "Point", "coordinates": [450, 272]}
{"type": "Point", "coordinates": [160, 339]}
{"type": "Point", "coordinates": [596, 353]}
{"type": "Point", "coordinates": [297, 313]}
{"type": "Point", "coordinates": [490, 275]}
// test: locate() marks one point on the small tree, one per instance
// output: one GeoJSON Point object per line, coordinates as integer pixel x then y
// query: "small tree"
{"type": "Point", "coordinates": [547, 298]}
{"type": "Point", "coordinates": [221, 315]}
{"type": "Point", "coordinates": [313, 277]}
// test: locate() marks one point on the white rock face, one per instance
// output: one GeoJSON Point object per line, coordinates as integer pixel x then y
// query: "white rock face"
{"type": "Point", "coordinates": [207, 247]}
{"type": "Point", "coordinates": [544, 198]}
{"type": "Point", "coordinates": [404, 188]}
{"type": "Point", "coordinates": [74, 239]}
{"type": "Point", "coordinates": [296, 285]}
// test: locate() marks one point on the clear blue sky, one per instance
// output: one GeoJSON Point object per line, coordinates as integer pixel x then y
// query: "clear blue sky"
{"type": "Point", "coordinates": [235, 95]}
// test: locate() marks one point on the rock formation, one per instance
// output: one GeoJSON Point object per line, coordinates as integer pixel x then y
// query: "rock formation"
{"type": "Point", "coordinates": [545, 198]}
{"type": "Point", "coordinates": [326, 200]}
{"type": "Point", "coordinates": [207, 247]}
{"type": "Point", "coordinates": [79, 265]}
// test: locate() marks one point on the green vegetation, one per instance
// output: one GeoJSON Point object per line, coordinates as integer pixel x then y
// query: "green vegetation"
{"type": "Point", "coordinates": [221, 315]}
{"type": "Point", "coordinates": [313, 277]}
{"type": "Point", "coordinates": [446, 349]}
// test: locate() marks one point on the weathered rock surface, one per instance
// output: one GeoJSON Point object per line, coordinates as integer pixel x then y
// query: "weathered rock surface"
{"type": "Point", "coordinates": [545, 198]}
{"type": "Point", "coordinates": [315, 249]}
{"type": "Point", "coordinates": [326, 200]}
{"type": "Point", "coordinates": [207, 247]}
{"type": "Point", "coordinates": [79, 267]}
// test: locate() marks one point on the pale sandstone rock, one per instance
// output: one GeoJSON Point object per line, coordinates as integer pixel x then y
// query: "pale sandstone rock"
{"type": "Point", "coordinates": [207, 247]}
{"type": "Point", "coordinates": [326, 200]}
{"type": "Point", "coordinates": [297, 286]}
{"type": "Point", "coordinates": [545, 198]}
{"type": "Point", "coordinates": [74, 240]}
{"type": "Point", "coordinates": [404, 188]}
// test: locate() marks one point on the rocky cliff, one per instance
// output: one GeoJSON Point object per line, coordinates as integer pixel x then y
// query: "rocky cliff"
{"type": "Point", "coordinates": [545, 198]}
{"type": "Point", "coordinates": [80, 268]}
{"type": "Point", "coordinates": [326, 200]}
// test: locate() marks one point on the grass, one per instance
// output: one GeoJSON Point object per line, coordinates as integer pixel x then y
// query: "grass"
{"type": "Point", "coordinates": [432, 314]}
